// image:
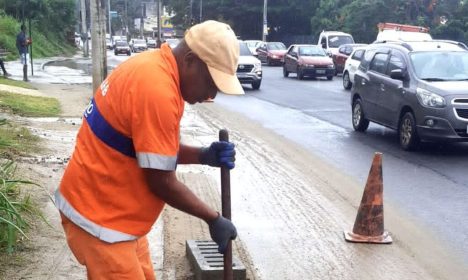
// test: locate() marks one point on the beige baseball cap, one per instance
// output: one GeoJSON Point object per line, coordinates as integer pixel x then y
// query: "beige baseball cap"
{"type": "Point", "coordinates": [216, 44]}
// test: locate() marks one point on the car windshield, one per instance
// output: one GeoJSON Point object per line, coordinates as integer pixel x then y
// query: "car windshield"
{"type": "Point", "coordinates": [276, 46]}
{"type": "Point", "coordinates": [139, 42]}
{"type": "Point", "coordinates": [244, 50]}
{"type": "Point", "coordinates": [336, 41]}
{"type": "Point", "coordinates": [311, 51]}
{"type": "Point", "coordinates": [121, 44]}
{"type": "Point", "coordinates": [252, 44]}
{"type": "Point", "coordinates": [440, 65]}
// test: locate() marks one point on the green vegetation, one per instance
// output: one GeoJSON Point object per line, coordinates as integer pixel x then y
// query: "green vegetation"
{"type": "Point", "coordinates": [29, 106]}
{"type": "Point", "coordinates": [15, 208]}
{"type": "Point", "coordinates": [15, 83]}
{"type": "Point", "coordinates": [48, 36]}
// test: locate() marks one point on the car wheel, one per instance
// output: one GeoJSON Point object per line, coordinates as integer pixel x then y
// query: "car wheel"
{"type": "Point", "coordinates": [360, 123]}
{"type": "Point", "coordinates": [256, 85]}
{"type": "Point", "coordinates": [329, 78]}
{"type": "Point", "coordinates": [346, 82]}
{"type": "Point", "coordinates": [300, 74]}
{"type": "Point", "coordinates": [285, 72]}
{"type": "Point", "coordinates": [407, 133]}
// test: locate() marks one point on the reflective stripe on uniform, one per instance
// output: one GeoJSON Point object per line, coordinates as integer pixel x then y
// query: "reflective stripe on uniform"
{"type": "Point", "coordinates": [106, 133]}
{"type": "Point", "coordinates": [104, 234]}
{"type": "Point", "coordinates": [155, 161]}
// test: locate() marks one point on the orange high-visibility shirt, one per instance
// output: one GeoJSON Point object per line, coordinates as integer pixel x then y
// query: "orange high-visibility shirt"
{"type": "Point", "coordinates": [104, 191]}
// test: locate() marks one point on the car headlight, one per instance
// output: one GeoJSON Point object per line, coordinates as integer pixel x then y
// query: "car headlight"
{"type": "Point", "coordinates": [430, 99]}
{"type": "Point", "coordinates": [331, 66]}
{"type": "Point", "coordinates": [257, 65]}
{"type": "Point", "coordinates": [274, 56]}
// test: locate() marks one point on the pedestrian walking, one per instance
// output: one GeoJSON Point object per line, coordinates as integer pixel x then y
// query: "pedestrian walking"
{"type": "Point", "coordinates": [122, 171]}
{"type": "Point", "coordinates": [22, 44]}
{"type": "Point", "coordinates": [2, 65]}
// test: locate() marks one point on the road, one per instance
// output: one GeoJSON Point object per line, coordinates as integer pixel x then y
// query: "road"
{"type": "Point", "coordinates": [429, 185]}
{"type": "Point", "coordinates": [426, 187]}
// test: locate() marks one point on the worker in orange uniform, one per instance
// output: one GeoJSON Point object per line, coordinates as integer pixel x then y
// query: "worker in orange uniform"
{"type": "Point", "coordinates": [122, 171]}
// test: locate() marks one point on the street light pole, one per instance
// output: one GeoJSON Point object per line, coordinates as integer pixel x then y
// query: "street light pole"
{"type": "Point", "coordinates": [265, 22]}
{"type": "Point", "coordinates": [201, 9]}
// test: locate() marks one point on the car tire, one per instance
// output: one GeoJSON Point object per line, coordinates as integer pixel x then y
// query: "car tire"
{"type": "Point", "coordinates": [360, 123]}
{"type": "Point", "coordinates": [329, 78]}
{"type": "Point", "coordinates": [407, 134]}
{"type": "Point", "coordinates": [300, 74]}
{"type": "Point", "coordinates": [285, 72]}
{"type": "Point", "coordinates": [347, 84]}
{"type": "Point", "coordinates": [256, 85]}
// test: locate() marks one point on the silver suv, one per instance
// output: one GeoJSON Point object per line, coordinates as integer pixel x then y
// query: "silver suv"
{"type": "Point", "coordinates": [418, 88]}
{"type": "Point", "coordinates": [249, 68]}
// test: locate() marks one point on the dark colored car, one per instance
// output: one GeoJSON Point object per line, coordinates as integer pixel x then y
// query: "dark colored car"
{"type": "Point", "coordinates": [271, 53]}
{"type": "Point", "coordinates": [416, 88]}
{"type": "Point", "coordinates": [308, 60]}
{"type": "Point", "coordinates": [344, 51]}
{"type": "Point", "coordinates": [122, 47]}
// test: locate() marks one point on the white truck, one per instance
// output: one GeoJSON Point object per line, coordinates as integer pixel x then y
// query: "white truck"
{"type": "Point", "coordinates": [332, 40]}
{"type": "Point", "coordinates": [402, 32]}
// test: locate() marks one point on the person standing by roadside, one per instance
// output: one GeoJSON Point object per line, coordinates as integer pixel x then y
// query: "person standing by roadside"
{"type": "Point", "coordinates": [2, 65]}
{"type": "Point", "coordinates": [22, 44]}
{"type": "Point", "coordinates": [122, 171]}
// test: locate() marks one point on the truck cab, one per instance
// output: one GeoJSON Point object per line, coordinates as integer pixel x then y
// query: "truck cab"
{"type": "Point", "coordinates": [332, 40]}
{"type": "Point", "coordinates": [402, 32]}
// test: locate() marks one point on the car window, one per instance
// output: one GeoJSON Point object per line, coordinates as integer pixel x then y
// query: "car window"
{"type": "Point", "coordinates": [337, 40]}
{"type": "Point", "coordinates": [379, 63]}
{"type": "Point", "coordinates": [294, 50]}
{"type": "Point", "coordinates": [311, 51]}
{"type": "Point", "coordinates": [366, 59]}
{"type": "Point", "coordinates": [358, 55]}
{"type": "Point", "coordinates": [276, 46]}
{"type": "Point", "coordinates": [244, 49]}
{"type": "Point", "coordinates": [395, 62]}
{"type": "Point", "coordinates": [445, 65]}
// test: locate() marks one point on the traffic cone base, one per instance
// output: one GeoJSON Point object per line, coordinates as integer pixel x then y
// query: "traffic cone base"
{"type": "Point", "coordinates": [385, 238]}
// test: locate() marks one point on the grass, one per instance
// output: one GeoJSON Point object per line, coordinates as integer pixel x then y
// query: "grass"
{"type": "Point", "coordinates": [29, 106]}
{"type": "Point", "coordinates": [15, 83]}
{"type": "Point", "coordinates": [15, 208]}
{"type": "Point", "coordinates": [16, 140]}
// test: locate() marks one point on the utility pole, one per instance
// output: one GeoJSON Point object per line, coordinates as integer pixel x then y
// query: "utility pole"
{"type": "Point", "coordinates": [201, 10]}
{"type": "Point", "coordinates": [98, 40]}
{"type": "Point", "coordinates": [191, 11]}
{"type": "Point", "coordinates": [265, 22]}
{"type": "Point", "coordinates": [141, 19]}
{"type": "Point", "coordinates": [109, 17]}
{"type": "Point", "coordinates": [159, 24]}
{"type": "Point", "coordinates": [84, 30]}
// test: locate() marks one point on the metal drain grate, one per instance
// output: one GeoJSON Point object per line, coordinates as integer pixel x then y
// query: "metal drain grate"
{"type": "Point", "coordinates": [208, 264]}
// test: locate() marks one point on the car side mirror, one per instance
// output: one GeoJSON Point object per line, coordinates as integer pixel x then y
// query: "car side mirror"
{"type": "Point", "coordinates": [294, 54]}
{"type": "Point", "coordinates": [398, 74]}
{"type": "Point", "coordinates": [324, 46]}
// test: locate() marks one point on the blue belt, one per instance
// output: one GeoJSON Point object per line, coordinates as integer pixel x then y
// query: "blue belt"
{"type": "Point", "coordinates": [106, 133]}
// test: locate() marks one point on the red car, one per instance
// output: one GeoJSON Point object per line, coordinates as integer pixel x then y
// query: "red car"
{"type": "Point", "coordinates": [339, 59]}
{"type": "Point", "coordinates": [308, 60]}
{"type": "Point", "coordinates": [271, 52]}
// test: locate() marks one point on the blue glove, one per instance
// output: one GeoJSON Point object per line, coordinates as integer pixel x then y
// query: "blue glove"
{"type": "Point", "coordinates": [218, 154]}
{"type": "Point", "coordinates": [221, 231]}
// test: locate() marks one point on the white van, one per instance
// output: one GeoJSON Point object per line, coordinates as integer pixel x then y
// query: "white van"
{"type": "Point", "coordinates": [332, 40]}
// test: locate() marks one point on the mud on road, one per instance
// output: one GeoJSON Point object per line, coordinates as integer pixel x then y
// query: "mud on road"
{"type": "Point", "coordinates": [289, 206]}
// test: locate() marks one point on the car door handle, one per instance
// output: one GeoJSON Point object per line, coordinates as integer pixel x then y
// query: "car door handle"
{"type": "Point", "coordinates": [382, 87]}
{"type": "Point", "coordinates": [363, 82]}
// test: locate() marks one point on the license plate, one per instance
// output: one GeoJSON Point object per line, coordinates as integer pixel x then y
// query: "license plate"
{"type": "Point", "coordinates": [320, 71]}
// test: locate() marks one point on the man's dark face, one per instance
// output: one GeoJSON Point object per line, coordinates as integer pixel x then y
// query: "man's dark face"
{"type": "Point", "coordinates": [195, 79]}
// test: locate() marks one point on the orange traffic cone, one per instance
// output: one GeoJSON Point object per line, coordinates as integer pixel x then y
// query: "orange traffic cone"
{"type": "Point", "coordinates": [369, 224]}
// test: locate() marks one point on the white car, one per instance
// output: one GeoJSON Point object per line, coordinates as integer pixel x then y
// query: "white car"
{"type": "Point", "coordinates": [253, 45]}
{"type": "Point", "coordinates": [351, 66]}
{"type": "Point", "coordinates": [249, 68]}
